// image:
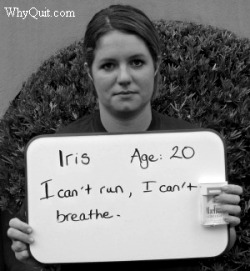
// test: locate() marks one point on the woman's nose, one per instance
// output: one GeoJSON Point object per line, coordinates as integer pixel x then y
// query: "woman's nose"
{"type": "Point", "coordinates": [124, 76]}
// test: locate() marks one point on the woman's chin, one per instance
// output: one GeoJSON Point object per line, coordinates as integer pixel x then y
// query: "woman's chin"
{"type": "Point", "coordinates": [128, 111]}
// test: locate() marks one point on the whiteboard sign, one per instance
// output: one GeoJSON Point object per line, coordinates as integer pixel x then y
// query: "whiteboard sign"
{"type": "Point", "coordinates": [123, 197]}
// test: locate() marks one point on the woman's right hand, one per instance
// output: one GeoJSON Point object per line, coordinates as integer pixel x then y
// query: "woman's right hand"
{"type": "Point", "coordinates": [20, 234]}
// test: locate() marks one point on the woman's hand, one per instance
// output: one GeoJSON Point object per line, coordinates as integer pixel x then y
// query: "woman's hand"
{"type": "Point", "coordinates": [229, 200]}
{"type": "Point", "coordinates": [20, 234]}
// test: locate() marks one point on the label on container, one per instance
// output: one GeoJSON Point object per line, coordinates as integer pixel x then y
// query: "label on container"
{"type": "Point", "coordinates": [211, 215]}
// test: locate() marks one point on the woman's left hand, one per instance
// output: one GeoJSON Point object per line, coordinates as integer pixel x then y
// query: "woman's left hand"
{"type": "Point", "coordinates": [229, 200]}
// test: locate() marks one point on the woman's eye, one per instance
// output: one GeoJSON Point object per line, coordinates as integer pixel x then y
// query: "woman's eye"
{"type": "Point", "coordinates": [107, 66]}
{"type": "Point", "coordinates": [137, 63]}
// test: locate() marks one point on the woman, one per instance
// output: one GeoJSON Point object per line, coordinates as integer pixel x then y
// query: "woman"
{"type": "Point", "coordinates": [122, 60]}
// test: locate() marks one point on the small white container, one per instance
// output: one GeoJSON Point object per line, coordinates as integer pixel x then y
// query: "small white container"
{"type": "Point", "coordinates": [210, 214]}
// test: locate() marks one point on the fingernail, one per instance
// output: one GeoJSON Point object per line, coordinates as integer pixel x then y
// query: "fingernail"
{"type": "Point", "coordinates": [31, 240]}
{"type": "Point", "coordinates": [29, 230]}
{"type": "Point", "coordinates": [216, 199]}
{"type": "Point", "coordinates": [224, 188]}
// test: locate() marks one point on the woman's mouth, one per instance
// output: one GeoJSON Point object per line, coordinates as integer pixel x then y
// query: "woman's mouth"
{"type": "Point", "coordinates": [125, 92]}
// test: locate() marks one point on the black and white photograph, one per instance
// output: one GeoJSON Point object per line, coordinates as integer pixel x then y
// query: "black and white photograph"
{"type": "Point", "coordinates": [124, 135]}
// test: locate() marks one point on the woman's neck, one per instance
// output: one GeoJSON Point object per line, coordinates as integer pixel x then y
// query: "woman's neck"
{"type": "Point", "coordinates": [137, 122]}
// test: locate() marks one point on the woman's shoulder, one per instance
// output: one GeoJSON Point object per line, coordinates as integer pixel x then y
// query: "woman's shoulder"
{"type": "Point", "coordinates": [164, 122]}
{"type": "Point", "coordinates": [87, 124]}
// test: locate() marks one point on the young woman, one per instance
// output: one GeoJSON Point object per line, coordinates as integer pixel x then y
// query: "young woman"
{"type": "Point", "coordinates": [122, 60]}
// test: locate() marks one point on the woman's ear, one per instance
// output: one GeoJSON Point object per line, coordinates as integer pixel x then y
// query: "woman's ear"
{"type": "Point", "coordinates": [156, 71]}
{"type": "Point", "coordinates": [86, 67]}
{"type": "Point", "coordinates": [157, 65]}
{"type": "Point", "coordinates": [92, 87]}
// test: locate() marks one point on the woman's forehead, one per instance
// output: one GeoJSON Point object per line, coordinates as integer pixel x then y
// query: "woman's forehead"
{"type": "Point", "coordinates": [117, 43]}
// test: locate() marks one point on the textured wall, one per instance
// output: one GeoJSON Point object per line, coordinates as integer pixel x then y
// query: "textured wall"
{"type": "Point", "coordinates": [27, 39]}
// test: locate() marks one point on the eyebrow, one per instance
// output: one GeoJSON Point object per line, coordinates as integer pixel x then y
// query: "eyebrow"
{"type": "Point", "coordinates": [137, 55]}
{"type": "Point", "coordinates": [107, 59]}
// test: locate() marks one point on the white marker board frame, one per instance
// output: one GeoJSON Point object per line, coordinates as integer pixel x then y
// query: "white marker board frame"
{"type": "Point", "coordinates": [123, 197]}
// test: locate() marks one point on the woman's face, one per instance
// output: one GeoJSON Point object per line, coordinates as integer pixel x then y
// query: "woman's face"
{"type": "Point", "coordinates": [123, 73]}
